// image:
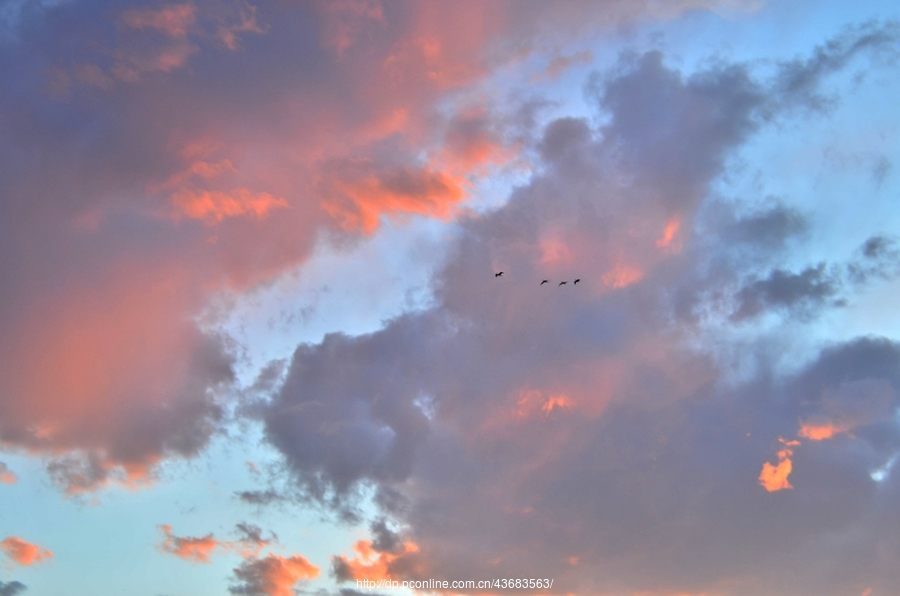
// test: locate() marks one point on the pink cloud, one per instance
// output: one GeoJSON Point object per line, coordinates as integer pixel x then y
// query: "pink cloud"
{"type": "Point", "coordinates": [200, 549]}
{"type": "Point", "coordinates": [24, 553]}
{"type": "Point", "coordinates": [214, 206]}
{"type": "Point", "coordinates": [358, 193]}
{"type": "Point", "coordinates": [173, 19]}
{"type": "Point", "coordinates": [193, 550]}
{"type": "Point", "coordinates": [559, 64]}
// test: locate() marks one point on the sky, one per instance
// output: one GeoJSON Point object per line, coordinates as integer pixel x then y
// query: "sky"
{"type": "Point", "coordinates": [255, 340]}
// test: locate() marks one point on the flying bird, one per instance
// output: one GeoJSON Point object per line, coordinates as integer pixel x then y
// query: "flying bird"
{"type": "Point", "coordinates": [576, 281]}
{"type": "Point", "coordinates": [561, 283]}
{"type": "Point", "coordinates": [498, 274]}
{"type": "Point", "coordinates": [543, 282]}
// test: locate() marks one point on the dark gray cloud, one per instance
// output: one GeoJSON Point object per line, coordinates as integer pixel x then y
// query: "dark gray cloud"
{"type": "Point", "coordinates": [803, 294]}
{"type": "Point", "coordinates": [786, 290]}
{"type": "Point", "coordinates": [383, 538]}
{"type": "Point", "coordinates": [350, 592]}
{"type": "Point", "coordinates": [580, 432]}
{"type": "Point", "coordinates": [11, 588]}
{"type": "Point", "coordinates": [259, 497]}
{"type": "Point", "coordinates": [770, 229]}
{"type": "Point", "coordinates": [253, 534]}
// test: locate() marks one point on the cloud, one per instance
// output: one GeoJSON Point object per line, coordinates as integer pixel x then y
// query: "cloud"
{"type": "Point", "coordinates": [24, 553]}
{"type": "Point", "coordinates": [174, 19]}
{"type": "Point", "coordinates": [257, 497]}
{"type": "Point", "coordinates": [359, 192]}
{"type": "Point", "coordinates": [783, 289]}
{"type": "Point", "coordinates": [7, 476]}
{"type": "Point", "coordinates": [11, 588]}
{"type": "Point", "coordinates": [214, 206]}
{"type": "Point", "coordinates": [193, 550]}
{"type": "Point", "coordinates": [154, 165]}
{"type": "Point", "coordinates": [648, 469]}
{"type": "Point", "coordinates": [799, 80]}
{"type": "Point", "coordinates": [251, 541]}
{"type": "Point", "coordinates": [372, 563]}
{"type": "Point", "coordinates": [249, 544]}
{"type": "Point", "coordinates": [775, 477]}
{"type": "Point", "coordinates": [272, 576]}
{"type": "Point", "coordinates": [559, 64]}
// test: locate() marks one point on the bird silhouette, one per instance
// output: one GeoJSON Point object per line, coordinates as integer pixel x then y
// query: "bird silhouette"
{"type": "Point", "coordinates": [498, 274]}
{"type": "Point", "coordinates": [543, 282]}
{"type": "Point", "coordinates": [576, 281]}
{"type": "Point", "coordinates": [561, 283]}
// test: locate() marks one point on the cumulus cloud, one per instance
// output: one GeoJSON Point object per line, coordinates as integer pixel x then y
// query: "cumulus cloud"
{"type": "Point", "coordinates": [154, 163]}
{"type": "Point", "coordinates": [272, 576]}
{"type": "Point", "coordinates": [578, 432]}
{"type": "Point", "coordinates": [24, 553]}
{"type": "Point", "coordinates": [589, 432]}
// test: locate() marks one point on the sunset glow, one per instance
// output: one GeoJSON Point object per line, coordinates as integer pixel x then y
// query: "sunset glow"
{"type": "Point", "coordinates": [357, 297]}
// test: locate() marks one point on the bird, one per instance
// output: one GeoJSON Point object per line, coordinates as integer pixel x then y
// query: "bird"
{"type": "Point", "coordinates": [576, 281]}
{"type": "Point", "coordinates": [561, 283]}
{"type": "Point", "coordinates": [543, 282]}
{"type": "Point", "coordinates": [498, 274]}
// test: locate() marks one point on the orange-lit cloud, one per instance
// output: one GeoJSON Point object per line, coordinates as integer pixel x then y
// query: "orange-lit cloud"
{"type": "Point", "coordinates": [213, 206]}
{"type": "Point", "coordinates": [471, 145]}
{"type": "Point", "coordinates": [199, 549]}
{"type": "Point", "coordinates": [111, 379]}
{"type": "Point", "coordinates": [775, 477]}
{"type": "Point", "coordinates": [359, 193]}
{"type": "Point", "coordinates": [531, 401]}
{"type": "Point", "coordinates": [274, 575]}
{"type": "Point", "coordinates": [79, 476]}
{"type": "Point", "coordinates": [7, 476]}
{"type": "Point", "coordinates": [194, 550]}
{"type": "Point", "coordinates": [369, 564]}
{"type": "Point", "coordinates": [622, 275]}
{"type": "Point", "coordinates": [821, 431]}
{"type": "Point", "coordinates": [669, 240]}
{"type": "Point", "coordinates": [24, 553]}
{"type": "Point", "coordinates": [557, 401]}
